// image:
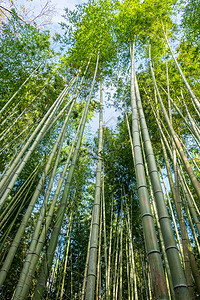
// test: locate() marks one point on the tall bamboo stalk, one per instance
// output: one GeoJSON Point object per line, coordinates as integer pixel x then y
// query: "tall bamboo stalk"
{"type": "Point", "coordinates": [121, 255]}
{"type": "Point", "coordinates": [178, 277]}
{"type": "Point", "coordinates": [86, 265]}
{"type": "Point", "coordinates": [109, 250]}
{"type": "Point", "coordinates": [153, 252]}
{"type": "Point", "coordinates": [92, 264]}
{"type": "Point", "coordinates": [66, 258]}
{"type": "Point", "coordinates": [98, 285]}
{"type": "Point", "coordinates": [130, 289]}
{"type": "Point", "coordinates": [104, 234]}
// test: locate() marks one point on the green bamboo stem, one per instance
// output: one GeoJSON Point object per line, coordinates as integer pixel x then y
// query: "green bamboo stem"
{"type": "Point", "coordinates": [189, 261]}
{"type": "Point", "coordinates": [177, 274]}
{"type": "Point", "coordinates": [170, 152]}
{"type": "Point", "coordinates": [131, 270]}
{"type": "Point", "coordinates": [130, 289]}
{"type": "Point", "coordinates": [86, 264]}
{"type": "Point", "coordinates": [104, 234]}
{"type": "Point", "coordinates": [144, 277]}
{"type": "Point", "coordinates": [121, 256]}
{"type": "Point", "coordinates": [3, 134]}
{"type": "Point", "coordinates": [9, 101]}
{"type": "Point", "coordinates": [29, 128]}
{"type": "Point", "coordinates": [132, 260]}
{"type": "Point", "coordinates": [190, 156]}
{"type": "Point", "coordinates": [173, 217]}
{"type": "Point", "coordinates": [91, 276]}
{"type": "Point", "coordinates": [21, 229]}
{"type": "Point", "coordinates": [189, 201]}
{"type": "Point", "coordinates": [186, 163]}
{"type": "Point", "coordinates": [116, 267]}
{"type": "Point", "coordinates": [130, 137]}
{"type": "Point", "coordinates": [191, 119]}
{"type": "Point", "coordinates": [179, 212]}
{"type": "Point", "coordinates": [66, 259]}
{"type": "Point", "coordinates": [45, 122]}
{"type": "Point", "coordinates": [109, 251]}
{"type": "Point", "coordinates": [169, 277]}
{"type": "Point", "coordinates": [189, 126]}
{"type": "Point", "coordinates": [98, 285]}
{"type": "Point", "coordinates": [191, 225]}
{"type": "Point", "coordinates": [15, 200]}
{"type": "Point", "coordinates": [66, 251]}
{"type": "Point", "coordinates": [149, 281]}
{"type": "Point", "coordinates": [17, 213]}
{"type": "Point", "coordinates": [32, 246]}
{"type": "Point", "coordinates": [60, 215]}
{"type": "Point", "coordinates": [196, 101]}
{"type": "Point", "coordinates": [9, 117]}
{"type": "Point", "coordinates": [33, 258]}
{"type": "Point", "coordinates": [153, 252]}
{"type": "Point", "coordinates": [193, 204]}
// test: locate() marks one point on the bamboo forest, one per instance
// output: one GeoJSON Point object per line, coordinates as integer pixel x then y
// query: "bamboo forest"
{"type": "Point", "coordinates": [87, 210]}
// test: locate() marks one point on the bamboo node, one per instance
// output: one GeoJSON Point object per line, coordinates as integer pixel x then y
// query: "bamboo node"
{"type": "Point", "coordinates": [147, 215]}
{"type": "Point", "coordinates": [153, 251]}
{"type": "Point", "coordinates": [180, 285]}
{"type": "Point", "coordinates": [164, 217]}
{"type": "Point", "coordinates": [170, 247]}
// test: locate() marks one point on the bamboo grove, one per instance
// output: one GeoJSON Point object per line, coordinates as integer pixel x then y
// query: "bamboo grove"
{"type": "Point", "coordinates": [115, 216]}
